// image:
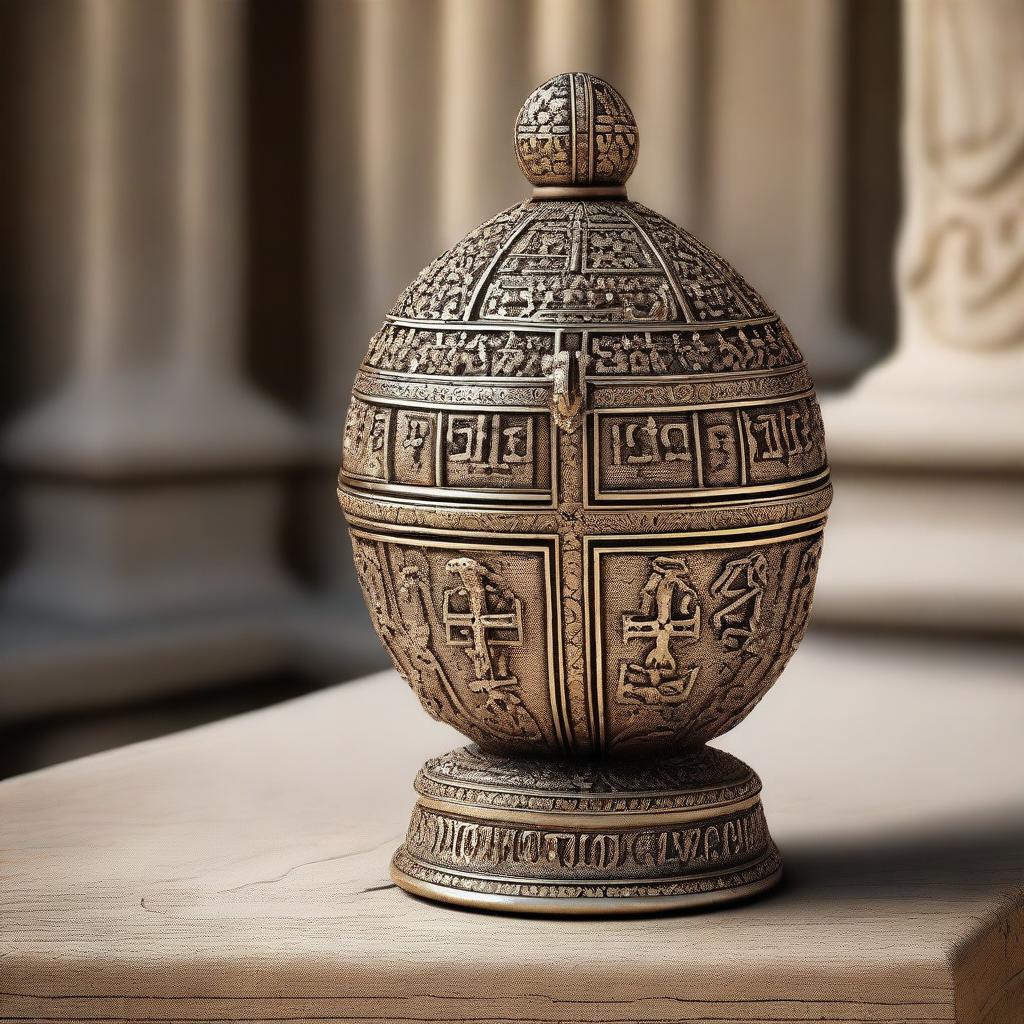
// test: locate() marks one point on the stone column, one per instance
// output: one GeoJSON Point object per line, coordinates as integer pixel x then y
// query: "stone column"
{"type": "Point", "coordinates": [481, 92]}
{"type": "Point", "coordinates": [929, 447]}
{"type": "Point", "coordinates": [663, 72]}
{"type": "Point", "coordinates": [774, 145]}
{"type": "Point", "coordinates": [150, 480]}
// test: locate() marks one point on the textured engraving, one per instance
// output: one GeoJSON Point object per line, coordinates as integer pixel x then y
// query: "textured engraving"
{"type": "Point", "coordinates": [640, 452]}
{"type": "Point", "coordinates": [443, 290]}
{"type": "Point", "coordinates": [741, 587]}
{"type": "Point", "coordinates": [690, 824]}
{"type": "Point", "coordinates": [576, 129]}
{"type": "Point", "coordinates": [699, 885]}
{"type": "Point", "coordinates": [412, 448]}
{"type": "Point", "coordinates": [603, 394]}
{"type": "Point", "coordinates": [701, 777]}
{"type": "Point", "coordinates": [580, 261]}
{"type": "Point", "coordinates": [495, 450]}
{"type": "Point", "coordinates": [365, 443]}
{"type": "Point", "coordinates": [750, 346]}
{"type": "Point", "coordinates": [798, 609]}
{"type": "Point", "coordinates": [716, 625]}
{"type": "Point", "coordinates": [523, 354]}
{"type": "Point", "coordinates": [575, 522]}
{"type": "Point", "coordinates": [711, 287]}
{"type": "Point", "coordinates": [537, 853]}
{"type": "Point", "coordinates": [784, 441]}
{"type": "Point", "coordinates": [448, 392]}
{"type": "Point", "coordinates": [481, 615]}
{"type": "Point", "coordinates": [470, 353]}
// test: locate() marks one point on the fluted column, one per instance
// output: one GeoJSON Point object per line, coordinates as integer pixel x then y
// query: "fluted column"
{"type": "Point", "coordinates": [481, 94]}
{"type": "Point", "coordinates": [149, 477]}
{"type": "Point", "coordinates": [663, 69]}
{"type": "Point", "coordinates": [571, 35]}
{"type": "Point", "coordinates": [774, 203]}
{"type": "Point", "coordinates": [929, 447]}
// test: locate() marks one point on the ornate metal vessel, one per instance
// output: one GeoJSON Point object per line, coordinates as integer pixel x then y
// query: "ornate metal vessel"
{"type": "Point", "coordinates": [585, 478]}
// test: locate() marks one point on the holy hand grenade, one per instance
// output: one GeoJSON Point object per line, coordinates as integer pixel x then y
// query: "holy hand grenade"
{"type": "Point", "coordinates": [585, 478]}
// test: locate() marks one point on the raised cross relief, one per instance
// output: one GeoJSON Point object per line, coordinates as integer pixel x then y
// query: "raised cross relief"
{"type": "Point", "coordinates": [669, 611]}
{"type": "Point", "coordinates": [481, 616]}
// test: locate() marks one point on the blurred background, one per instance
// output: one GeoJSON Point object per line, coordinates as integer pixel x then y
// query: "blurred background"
{"type": "Point", "coordinates": [206, 206]}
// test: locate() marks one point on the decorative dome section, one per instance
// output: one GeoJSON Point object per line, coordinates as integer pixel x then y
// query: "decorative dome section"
{"type": "Point", "coordinates": [576, 131]}
{"type": "Point", "coordinates": [606, 261]}
{"type": "Point", "coordinates": [564, 262]}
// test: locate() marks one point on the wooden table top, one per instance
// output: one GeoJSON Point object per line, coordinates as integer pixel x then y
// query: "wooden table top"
{"type": "Point", "coordinates": [239, 871]}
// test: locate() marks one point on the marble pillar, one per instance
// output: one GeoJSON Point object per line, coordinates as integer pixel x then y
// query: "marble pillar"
{"type": "Point", "coordinates": [928, 448]}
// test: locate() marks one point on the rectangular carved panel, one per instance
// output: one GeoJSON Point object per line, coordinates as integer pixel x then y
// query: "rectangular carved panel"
{"type": "Point", "coordinates": [685, 635]}
{"type": "Point", "coordinates": [494, 457]}
{"type": "Point", "coordinates": [366, 443]}
{"type": "Point", "coordinates": [783, 441]}
{"type": "Point", "coordinates": [473, 627]}
{"type": "Point", "coordinates": [496, 450]}
{"type": "Point", "coordinates": [652, 452]}
{"type": "Point", "coordinates": [414, 446]}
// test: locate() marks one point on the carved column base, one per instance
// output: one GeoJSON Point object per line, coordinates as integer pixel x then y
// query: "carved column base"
{"type": "Point", "coordinates": [543, 837]}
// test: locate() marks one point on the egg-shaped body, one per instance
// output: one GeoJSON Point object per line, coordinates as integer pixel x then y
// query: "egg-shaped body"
{"type": "Point", "coordinates": [585, 478]}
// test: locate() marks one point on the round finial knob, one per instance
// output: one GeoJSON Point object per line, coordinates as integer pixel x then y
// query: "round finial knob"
{"type": "Point", "coordinates": [576, 131]}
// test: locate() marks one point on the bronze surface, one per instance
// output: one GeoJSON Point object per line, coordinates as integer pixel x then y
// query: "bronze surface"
{"type": "Point", "coordinates": [585, 476]}
{"type": "Point", "coordinates": [529, 835]}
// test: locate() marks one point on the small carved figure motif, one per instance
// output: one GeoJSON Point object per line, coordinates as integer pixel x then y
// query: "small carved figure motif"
{"type": "Point", "coordinates": [480, 615]}
{"type": "Point", "coordinates": [669, 610]}
{"type": "Point", "coordinates": [742, 584]}
{"type": "Point", "coordinates": [416, 431]}
{"type": "Point", "coordinates": [406, 634]}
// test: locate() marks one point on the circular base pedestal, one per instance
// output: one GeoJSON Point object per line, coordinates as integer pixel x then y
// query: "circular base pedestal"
{"type": "Point", "coordinates": [549, 837]}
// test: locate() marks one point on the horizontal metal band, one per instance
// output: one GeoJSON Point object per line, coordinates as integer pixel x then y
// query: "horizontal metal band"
{"type": "Point", "coordinates": [580, 906]}
{"type": "Point", "coordinates": [512, 380]}
{"type": "Point", "coordinates": [591, 326]}
{"type": "Point", "coordinates": [654, 498]}
{"type": "Point", "coordinates": [604, 821]}
{"type": "Point", "coordinates": [541, 192]}
{"type": "Point", "coordinates": [450, 498]}
{"type": "Point", "coordinates": [604, 392]}
{"type": "Point", "coordinates": [651, 542]}
{"type": "Point", "coordinates": [455, 533]}
{"type": "Point", "coordinates": [454, 406]}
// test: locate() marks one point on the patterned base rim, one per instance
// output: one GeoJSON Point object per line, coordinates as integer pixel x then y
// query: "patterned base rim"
{"type": "Point", "coordinates": [581, 905]}
{"type": "Point", "coordinates": [528, 836]}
